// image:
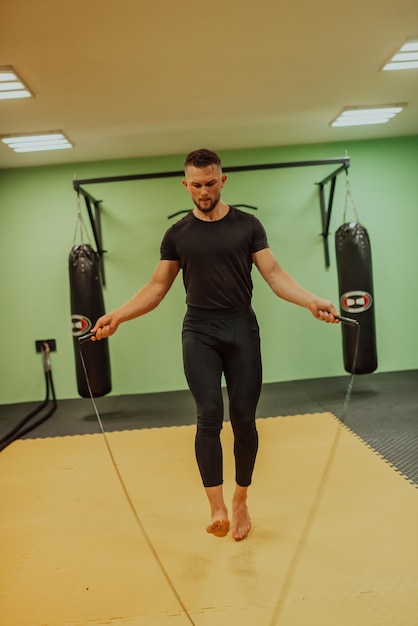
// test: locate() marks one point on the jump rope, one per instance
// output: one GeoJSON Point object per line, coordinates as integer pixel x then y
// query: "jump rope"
{"type": "Point", "coordinates": [300, 546]}
{"type": "Point", "coordinates": [148, 541]}
{"type": "Point", "coordinates": [302, 541]}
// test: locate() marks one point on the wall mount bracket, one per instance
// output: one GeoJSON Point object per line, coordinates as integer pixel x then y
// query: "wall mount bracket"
{"type": "Point", "coordinates": [325, 206]}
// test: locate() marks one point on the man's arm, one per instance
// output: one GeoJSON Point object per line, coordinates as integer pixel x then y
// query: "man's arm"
{"type": "Point", "coordinates": [286, 287]}
{"type": "Point", "coordinates": [144, 301]}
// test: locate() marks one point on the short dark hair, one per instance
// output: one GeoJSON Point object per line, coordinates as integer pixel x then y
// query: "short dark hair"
{"type": "Point", "coordinates": [202, 158]}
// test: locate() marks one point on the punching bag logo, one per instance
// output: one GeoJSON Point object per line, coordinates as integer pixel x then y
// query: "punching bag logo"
{"type": "Point", "coordinates": [356, 301]}
{"type": "Point", "coordinates": [81, 324]}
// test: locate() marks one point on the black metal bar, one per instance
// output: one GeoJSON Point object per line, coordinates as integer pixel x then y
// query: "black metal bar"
{"type": "Point", "coordinates": [247, 206]}
{"type": "Point", "coordinates": [96, 228]}
{"type": "Point", "coordinates": [343, 167]}
{"type": "Point", "coordinates": [237, 168]}
{"type": "Point", "coordinates": [330, 202]}
{"type": "Point", "coordinates": [325, 212]}
{"type": "Point", "coordinates": [324, 234]}
{"type": "Point", "coordinates": [83, 192]}
{"type": "Point", "coordinates": [326, 216]}
{"type": "Point", "coordinates": [98, 223]}
{"type": "Point", "coordinates": [169, 217]}
{"type": "Point", "coordinates": [270, 166]}
{"type": "Point", "coordinates": [118, 179]}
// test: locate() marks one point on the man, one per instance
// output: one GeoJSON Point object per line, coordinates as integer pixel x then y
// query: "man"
{"type": "Point", "coordinates": [215, 246]}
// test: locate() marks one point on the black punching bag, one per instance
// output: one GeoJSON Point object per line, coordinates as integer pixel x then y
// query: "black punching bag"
{"type": "Point", "coordinates": [86, 306]}
{"type": "Point", "coordinates": [355, 281]}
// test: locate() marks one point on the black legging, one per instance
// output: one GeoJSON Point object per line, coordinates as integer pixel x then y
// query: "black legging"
{"type": "Point", "coordinates": [216, 342]}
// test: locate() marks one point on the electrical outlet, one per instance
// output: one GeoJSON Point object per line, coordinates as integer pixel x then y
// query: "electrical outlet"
{"type": "Point", "coordinates": [40, 344]}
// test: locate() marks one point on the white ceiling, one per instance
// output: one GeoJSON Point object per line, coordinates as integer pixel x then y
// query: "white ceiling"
{"type": "Point", "coordinates": [140, 78]}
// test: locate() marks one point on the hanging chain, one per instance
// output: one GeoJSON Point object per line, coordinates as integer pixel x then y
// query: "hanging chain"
{"type": "Point", "coordinates": [349, 199]}
{"type": "Point", "coordinates": [80, 227]}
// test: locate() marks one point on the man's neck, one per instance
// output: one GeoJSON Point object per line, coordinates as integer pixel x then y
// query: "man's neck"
{"type": "Point", "coordinates": [217, 213]}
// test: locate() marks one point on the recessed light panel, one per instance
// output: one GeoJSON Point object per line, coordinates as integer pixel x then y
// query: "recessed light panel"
{"type": "Point", "coordinates": [405, 58]}
{"type": "Point", "coordinates": [362, 116]}
{"type": "Point", "coordinates": [37, 142]}
{"type": "Point", "coordinates": [11, 85]}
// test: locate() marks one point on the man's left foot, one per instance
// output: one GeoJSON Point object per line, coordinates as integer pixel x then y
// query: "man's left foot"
{"type": "Point", "coordinates": [219, 527]}
{"type": "Point", "coordinates": [241, 522]}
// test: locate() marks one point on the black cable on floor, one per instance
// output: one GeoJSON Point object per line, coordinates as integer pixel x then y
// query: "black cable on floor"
{"type": "Point", "coordinates": [19, 431]}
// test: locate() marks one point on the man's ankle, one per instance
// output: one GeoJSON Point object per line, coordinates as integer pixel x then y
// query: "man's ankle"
{"type": "Point", "coordinates": [240, 494]}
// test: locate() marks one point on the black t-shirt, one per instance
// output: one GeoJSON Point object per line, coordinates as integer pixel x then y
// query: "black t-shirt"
{"type": "Point", "coordinates": [215, 257]}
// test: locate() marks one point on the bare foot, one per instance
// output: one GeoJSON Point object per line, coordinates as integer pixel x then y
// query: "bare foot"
{"type": "Point", "coordinates": [218, 527]}
{"type": "Point", "coordinates": [241, 521]}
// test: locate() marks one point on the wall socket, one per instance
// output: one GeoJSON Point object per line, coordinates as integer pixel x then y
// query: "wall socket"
{"type": "Point", "coordinates": [39, 345]}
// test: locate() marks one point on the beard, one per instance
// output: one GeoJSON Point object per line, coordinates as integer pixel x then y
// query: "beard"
{"type": "Point", "coordinates": [209, 208]}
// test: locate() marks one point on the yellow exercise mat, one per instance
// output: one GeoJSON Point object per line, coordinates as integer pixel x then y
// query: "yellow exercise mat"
{"type": "Point", "coordinates": [334, 539]}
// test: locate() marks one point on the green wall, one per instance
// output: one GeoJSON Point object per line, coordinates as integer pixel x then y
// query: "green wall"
{"type": "Point", "coordinates": [38, 209]}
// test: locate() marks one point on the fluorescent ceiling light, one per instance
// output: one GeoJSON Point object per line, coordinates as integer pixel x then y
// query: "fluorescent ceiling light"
{"type": "Point", "coordinates": [37, 142]}
{"type": "Point", "coordinates": [10, 95]}
{"type": "Point", "coordinates": [5, 74]}
{"type": "Point", "coordinates": [405, 58]}
{"type": "Point", "coordinates": [401, 65]}
{"type": "Point", "coordinates": [361, 116]}
{"type": "Point", "coordinates": [410, 46]}
{"type": "Point", "coordinates": [11, 85]}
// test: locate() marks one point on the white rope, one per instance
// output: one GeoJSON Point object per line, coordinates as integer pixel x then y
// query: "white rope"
{"type": "Point", "coordinates": [316, 502]}
{"type": "Point", "coordinates": [351, 381]}
{"type": "Point", "coordinates": [129, 500]}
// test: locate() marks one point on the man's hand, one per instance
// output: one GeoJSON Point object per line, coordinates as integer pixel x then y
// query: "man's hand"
{"type": "Point", "coordinates": [105, 326]}
{"type": "Point", "coordinates": [324, 310]}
